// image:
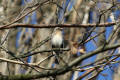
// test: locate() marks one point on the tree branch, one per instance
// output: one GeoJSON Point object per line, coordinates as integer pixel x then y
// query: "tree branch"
{"type": "Point", "coordinates": [63, 69]}
{"type": "Point", "coordinates": [107, 24]}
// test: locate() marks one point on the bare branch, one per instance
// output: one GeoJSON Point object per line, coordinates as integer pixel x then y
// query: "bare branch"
{"type": "Point", "coordinates": [109, 24]}
{"type": "Point", "coordinates": [63, 69]}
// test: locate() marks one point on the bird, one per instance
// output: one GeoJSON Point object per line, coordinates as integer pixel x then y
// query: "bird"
{"type": "Point", "coordinates": [57, 42]}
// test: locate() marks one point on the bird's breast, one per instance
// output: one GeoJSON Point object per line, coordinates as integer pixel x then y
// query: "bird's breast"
{"type": "Point", "coordinates": [57, 40]}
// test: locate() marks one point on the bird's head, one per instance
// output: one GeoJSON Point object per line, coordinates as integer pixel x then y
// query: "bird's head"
{"type": "Point", "coordinates": [58, 29]}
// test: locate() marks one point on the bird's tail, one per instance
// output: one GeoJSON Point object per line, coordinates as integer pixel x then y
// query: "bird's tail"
{"type": "Point", "coordinates": [56, 59]}
{"type": "Point", "coordinates": [56, 55]}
